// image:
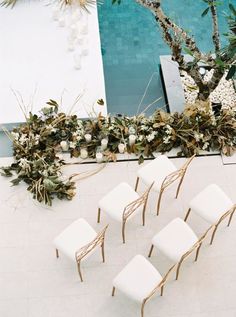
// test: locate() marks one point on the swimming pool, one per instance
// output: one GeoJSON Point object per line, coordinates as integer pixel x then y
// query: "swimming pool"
{"type": "Point", "coordinates": [132, 43]}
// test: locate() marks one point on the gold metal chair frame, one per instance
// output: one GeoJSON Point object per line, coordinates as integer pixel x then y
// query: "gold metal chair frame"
{"type": "Point", "coordinates": [82, 252]}
{"type": "Point", "coordinates": [229, 213]}
{"type": "Point", "coordinates": [130, 209]}
{"type": "Point", "coordinates": [196, 247]}
{"type": "Point", "coordinates": [160, 286]}
{"type": "Point", "coordinates": [169, 179]}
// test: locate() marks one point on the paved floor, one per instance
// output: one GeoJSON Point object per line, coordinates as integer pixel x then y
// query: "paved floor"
{"type": "Point", "coordinates": [33, 283]}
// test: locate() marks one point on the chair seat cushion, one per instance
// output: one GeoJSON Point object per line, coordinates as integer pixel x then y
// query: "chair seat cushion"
{"type": "Point", "coordinates": [117, 199]}
{"type": "Point", "coordinates": [138, 278]}
{"type": "Point", "coordinates": [175, 239]}
{"type": "Point", "coordinates": [74, 237]}
{"type": "Point", "coordinates": [156, 171]}
{"type": "Point", "coordinates": [211, 203]}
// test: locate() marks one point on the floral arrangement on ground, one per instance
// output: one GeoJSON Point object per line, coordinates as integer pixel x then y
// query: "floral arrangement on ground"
{"type": "Point", "coordinates": [38, 143]}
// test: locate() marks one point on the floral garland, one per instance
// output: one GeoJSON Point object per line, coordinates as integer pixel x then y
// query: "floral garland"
{"type": "Point", "coordinates": [38, 143]}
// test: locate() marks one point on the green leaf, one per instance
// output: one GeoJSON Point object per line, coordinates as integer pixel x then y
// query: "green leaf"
{"type": "Point", "coordinates": [100, 102]}
{"type": "Point", "coordinates": [204, 13]}
{"type": "Point", "coordinates": [219, 62]}
{"type": "Point", "coordinates": [6, 172]}
{"type": "Point", "coordinates": [232, 8]}
{"type": "Point", "coordinates": [231, 72]}
{"type": "Point", "coordinates": [140, 159]}
{"type": "Point", "coordinates": [15, 181]}
{"type": "Point", "coordinates": [187, 50]}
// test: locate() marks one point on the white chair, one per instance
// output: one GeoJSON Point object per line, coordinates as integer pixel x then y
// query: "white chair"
{"type": "Point", "coordinates": [78, 240]}
{"type": "Point", "coordinates": [213, 205]}
{"type": "Point", "coordinates": [177, 241]}
{"type": "Point", "coordinates": [163, 173]}
{"type": "Point", "coordinates": [140, 280]}
{"type": "Point", "coordinates": [121, 203]}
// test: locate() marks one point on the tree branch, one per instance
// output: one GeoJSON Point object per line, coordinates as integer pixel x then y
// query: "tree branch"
{"type": "Point", "coordinates": [215, 35]}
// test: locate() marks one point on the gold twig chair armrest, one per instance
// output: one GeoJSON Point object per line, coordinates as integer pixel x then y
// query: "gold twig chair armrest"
{"type": "Point", "coordinates": [98, 241]}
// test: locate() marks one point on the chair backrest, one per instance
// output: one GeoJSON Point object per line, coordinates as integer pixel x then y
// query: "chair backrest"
{"type": "Point", "coordinates": [131, 207]}
{"type": "Point", "coordinates": [196, 245]}
{"type": "Point", "coordinates": [161, 284]}
{"type": "Point", "coordinates": [227, 213]}
{"type": "Point", "coordinates": [98, 240]}
{"type": "Point", "coordinates": [171, 178]}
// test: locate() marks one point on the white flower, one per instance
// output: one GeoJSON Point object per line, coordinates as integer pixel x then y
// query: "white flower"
{"type": "Point", "coordinates": [79, 137]}
{"type": "Point", "coordinates": [143, 127]}
{"type": "Point", "coordinates": [80, 123]}
{"type": "Point", "coordinates": [23, 138]}
{"type": "Point", "coordinates": [15, 135]}
{"type": "Point", "coordinates": [151, 136]}
{"type": "Point", "coordinates": [205, 145]}
{"type": "Point", "coordinates": [198, 136]}
{"type": "Point", "coordinates": [132, 130]}
{"type": "Point", "coordinates": [166, 140]}
{"type": "Point", "coordinates": [140, 138]}
{"type": "Point", "coordinates": [168, 129]}
{"type": "Point", "coordinates": [24, 164]}
{"type": "Point", "coordinates": [72, 145]}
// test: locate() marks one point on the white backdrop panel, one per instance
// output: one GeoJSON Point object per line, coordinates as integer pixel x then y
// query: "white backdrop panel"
{"type": "Point", "coordinates": [34, 56]}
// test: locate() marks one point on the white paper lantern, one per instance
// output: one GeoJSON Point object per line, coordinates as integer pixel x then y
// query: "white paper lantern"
{"type": "Point", "coordinates": [121, 148]}
{"type": "Point", "coordinates": [132, 139]}
{"type": "Point", "coordinates": [83, 153]}
{"type": "Point", "coordinates": [64, 145]}
{"type": "Point", "coordinates": [99, 157]}
{"type": "Point", "coordinates": [104, 143]}
{"type": "Point", "coordinates": [88, 137]}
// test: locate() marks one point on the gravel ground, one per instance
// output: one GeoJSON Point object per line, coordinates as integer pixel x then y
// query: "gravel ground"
{"type": "Point", "coordinates": [225, 93]}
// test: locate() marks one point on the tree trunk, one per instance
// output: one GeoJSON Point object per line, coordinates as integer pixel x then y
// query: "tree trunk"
{"type": "Point", "coordinates": [175, 37]}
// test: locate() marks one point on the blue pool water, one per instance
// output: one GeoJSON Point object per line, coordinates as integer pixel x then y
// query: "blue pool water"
{"type": "Point", "coordinates": [132, 43]}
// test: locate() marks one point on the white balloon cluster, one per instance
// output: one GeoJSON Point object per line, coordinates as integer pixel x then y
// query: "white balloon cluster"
{"type": "Point", "coordinates": [76, 22]}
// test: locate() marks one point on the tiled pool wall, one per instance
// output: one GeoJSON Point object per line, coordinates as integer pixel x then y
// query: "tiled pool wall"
{"type": "Point", "coordinates": [132, 43]}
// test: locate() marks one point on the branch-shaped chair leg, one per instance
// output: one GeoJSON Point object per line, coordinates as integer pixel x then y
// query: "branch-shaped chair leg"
{"type": "Point", "coordinates": [79, 270]}
{"type": "Point", "coordinates": [177, 270]}
{"type": "Point", "coordinates": [123, 231]}
{"type": "Point", "coordinates": [150, 252]}
{"type": "Point", "coordinates": [57, 253]}
{"type": "Point", "coordinates": [99, 215]}
{"type": "Point", "coordinates": [144, 212]}
{"type": "Point", "coordinates": [103, 253]}
{"type": "Point", "coordinates": [178, 188]}
{"type": "Point", "coordinates": [197, 252]}
{"type": "Point", "coordinates": [113, 291]}
{"type": "Point", "coordinates": [187, 214]}
{"type": "Point", "coordinates": [159, 201]}
{"type": "Point", "coordinates": [142, 308]}
{"type": "Point", "coordinates": [136, 184]}
{"type": "Point", "coordinates": [162, 290]}
{"type": "Point", "coordinates": [230, 218]}
{"type": "Point", "coordinates": [213, 234]}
